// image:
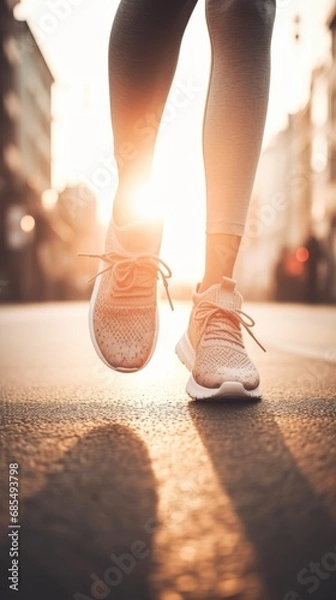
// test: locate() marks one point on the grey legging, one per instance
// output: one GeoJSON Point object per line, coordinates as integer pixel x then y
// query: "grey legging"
{"type": "Point", "coordinates": [144, 47]}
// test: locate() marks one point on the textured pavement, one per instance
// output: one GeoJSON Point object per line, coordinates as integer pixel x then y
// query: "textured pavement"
{"type": "Point", "coordinates": [130, 491]}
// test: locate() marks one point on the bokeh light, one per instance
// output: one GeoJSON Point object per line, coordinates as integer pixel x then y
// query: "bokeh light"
{"type": "Point", "coordinates": [302, 254]}
{"type": "Point", "coordinates": [27, 223]}
{"type": "Point", "coordinates": [49, 198]}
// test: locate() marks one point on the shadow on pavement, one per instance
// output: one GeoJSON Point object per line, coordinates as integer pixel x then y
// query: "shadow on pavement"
{"type": "Point", "coordinates": [92, 523]}
{"type": "Point", "coordinates": [281, 514]}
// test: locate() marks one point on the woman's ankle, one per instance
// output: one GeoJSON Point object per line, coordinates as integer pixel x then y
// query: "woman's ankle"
{"type": "Point", "coordinates": [221, 255]}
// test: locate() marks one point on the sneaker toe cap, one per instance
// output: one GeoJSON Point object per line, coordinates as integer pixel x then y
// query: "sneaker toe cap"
{"type": "Point", "coordinates": [211, 372]}
{"type": "Point", "coordinates": [125, 337]}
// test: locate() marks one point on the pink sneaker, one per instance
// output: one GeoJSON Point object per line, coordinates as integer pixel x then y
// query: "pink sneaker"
{"type": "Point", "coordinates": [123, 310]}
{"type": "Point", "coordinates": [213, 348]}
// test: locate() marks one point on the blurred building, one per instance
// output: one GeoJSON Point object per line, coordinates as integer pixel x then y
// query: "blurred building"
{"type": "Point", "coordinates": [25, 107]}
{"type": "Point", "coordinates": [74, 228]}
{"type": "Point", "coordinates": [323, 101]}
{"type": "Point", "coordinates": [279, 219]}
{"type": "Point", "coordinates": [289, 250]}
{"type": "Point", "coordinates": [25, 154]}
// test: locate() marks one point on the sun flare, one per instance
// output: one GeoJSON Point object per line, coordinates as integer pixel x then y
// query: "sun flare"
{"type": "Point", "coordinates": [147, 204]}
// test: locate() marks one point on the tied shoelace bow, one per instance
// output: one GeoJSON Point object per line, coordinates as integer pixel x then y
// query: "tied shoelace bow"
{"type": "Point", "coordinates": [125, 271]}
{"type": "Point", "coordinates": [206, 311]}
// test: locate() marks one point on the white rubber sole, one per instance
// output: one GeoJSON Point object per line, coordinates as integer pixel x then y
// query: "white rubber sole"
{"type": "Point", "coordinates": [228, 389]}
{"type": "Point", "coordinates": [93, 337]}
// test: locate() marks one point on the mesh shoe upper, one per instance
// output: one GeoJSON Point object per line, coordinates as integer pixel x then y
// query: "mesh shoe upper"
{"type": "Point", "coordinates": [215, 334]}
{"type": "Point", "coordinates": [125, 311]}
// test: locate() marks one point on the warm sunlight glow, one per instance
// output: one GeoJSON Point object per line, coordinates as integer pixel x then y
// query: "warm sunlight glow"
{"type": "Point", "coordinates": [147, 205]}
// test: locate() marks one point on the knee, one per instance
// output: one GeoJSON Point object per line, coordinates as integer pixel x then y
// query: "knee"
{"type": "Point", "coordinates": [249, 15]}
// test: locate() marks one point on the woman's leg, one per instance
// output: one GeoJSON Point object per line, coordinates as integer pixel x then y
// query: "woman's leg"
{"type": "Point", "coordinates": [213, 348]}
{"type": "Point", "coordinates": [144, 47]}
{"type": "Point", "coordinates": [143, 52]}
{"type": "Point", "coordinates": [240, 33]}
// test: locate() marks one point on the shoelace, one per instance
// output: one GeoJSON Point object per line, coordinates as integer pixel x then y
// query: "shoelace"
{"type": "Point", "coordinates": [207, 311]}
{"type": "Point", "coordinates": [125, 271]}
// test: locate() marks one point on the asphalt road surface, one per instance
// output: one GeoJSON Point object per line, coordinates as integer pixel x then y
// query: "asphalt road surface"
{"type": "Point", "coordinates": [130, 491]}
